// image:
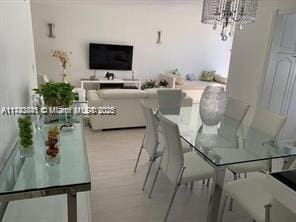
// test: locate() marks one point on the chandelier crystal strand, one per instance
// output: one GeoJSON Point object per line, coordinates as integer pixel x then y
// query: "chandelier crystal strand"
{"type": "Point", "coordinates": [228, 14]}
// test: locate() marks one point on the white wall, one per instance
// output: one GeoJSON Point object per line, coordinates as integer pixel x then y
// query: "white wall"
{"type": "Point", "coordinates": [187, 43]}
{"type": "Point", "coordinates": [17, 62]}
{"type": "Point", "coordinates": [249, 53]}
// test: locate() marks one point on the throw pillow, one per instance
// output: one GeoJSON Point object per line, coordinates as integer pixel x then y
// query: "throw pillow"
{"type": "Point", "coordinates": [207, 76]}
{"type": "Point", "coordinates": [179, 80]}
{"type": "Point", "coordinates": [190, 77]}
{"type": "Point", "coordinates": [220, 79]}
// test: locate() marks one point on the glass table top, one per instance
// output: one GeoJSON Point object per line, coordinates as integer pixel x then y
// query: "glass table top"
{"type": "Point", "coordinates": [32, 173]}
{"type": "Point", "coordinates": [222, 150]}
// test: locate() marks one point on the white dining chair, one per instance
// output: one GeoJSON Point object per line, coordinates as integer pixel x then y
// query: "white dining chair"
{"type": "Point", "coordinates": [169, 101]}
{"type": "Point", "coordinates": [250, 193]}
{"type": "Point", "coordinates": [226, 135]}
{"type": "Point", "coordinates": [152, 141]}
{"type": "Point", "coordinates": [264, 123]}
{"type": "Point", "coordinates": [179, 168]}
{"type": "Point", "coordinates": [234, 115]}
{"type": "Point", "coordinates": [278, 212]}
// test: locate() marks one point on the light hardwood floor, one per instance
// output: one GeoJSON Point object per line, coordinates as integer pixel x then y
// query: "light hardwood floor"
{"type": "Point", "coordinates": [116, 194]}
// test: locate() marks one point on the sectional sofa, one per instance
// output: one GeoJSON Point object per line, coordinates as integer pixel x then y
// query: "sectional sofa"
{"type": "Point", "coordinates": [129, 112]}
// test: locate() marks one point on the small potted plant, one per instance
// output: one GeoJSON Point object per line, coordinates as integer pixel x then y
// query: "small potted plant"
{"type": "Point", "coordinates": [148, 84]}
{"type": "Point", "coordinates": [52, 156]}
{"type": "Point", "coordinates": [152, 83]}
{"type": "Point", "coordinates": [26, 136]}
{"type": "Point", "coordinates": [57, 94]}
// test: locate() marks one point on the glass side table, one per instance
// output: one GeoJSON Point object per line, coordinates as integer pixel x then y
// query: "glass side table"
{"type": "Point", "coordinates": [32, 178]}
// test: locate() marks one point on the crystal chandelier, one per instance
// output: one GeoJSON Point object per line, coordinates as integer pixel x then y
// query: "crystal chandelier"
{"type": "Point", "coordinates": [229, 13]}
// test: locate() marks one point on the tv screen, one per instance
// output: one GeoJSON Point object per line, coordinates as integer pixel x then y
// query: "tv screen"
{"type": "Point", "coordinates": [110, 57]}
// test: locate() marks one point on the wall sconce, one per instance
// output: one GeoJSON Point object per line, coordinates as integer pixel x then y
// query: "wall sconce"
{"type": "Point", "coordinates": [51, 27]}
{"type": "Point", "coordinates": [159, 35]}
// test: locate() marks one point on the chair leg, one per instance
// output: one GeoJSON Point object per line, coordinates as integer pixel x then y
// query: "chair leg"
{"type": "Point", "coordinates": [191, 185]}
{"type": "Point", "coordinates": [208, 182]}
{"type": "Point", "coordinates": [171, 203]}
{"type": "Point", "coordinates": [147, 174]}
{"type": "Point", "coordinates": [203, 182]}
{"type": "Point", "coordinates": [246, 175]}
{"type": "Point", "coordinates": [231, 200]}
{"type": "Point", "coordinates": [221, 215]}
{"type": "Point", "coordinates": [154, 181]}
{"type": "Point", "coordinates": [269, 162]}
{"type": "Point", "coordinates": [139, 155]}
{"type": "Point", "coordinates": [267, 212]}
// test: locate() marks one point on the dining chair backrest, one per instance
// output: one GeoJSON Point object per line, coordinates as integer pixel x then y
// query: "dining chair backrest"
{"type": "Point", "coordinates": [280, 213]}
{"type": "Point", "coordinates": [151, 134]}
{"type": "Point", "coordinates": [267, 123]}
{"type": "Point", "coordinates": [172, 160]}
{"type": "Point", "coordinates": [234, 115]}
{"type": "Point", "coordinates": [293, 165]}
{"type": "Point", "coordinates": [169, 101]}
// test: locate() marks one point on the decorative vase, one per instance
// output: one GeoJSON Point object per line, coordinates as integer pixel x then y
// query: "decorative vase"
{"type": "Point", "coordinates": [52, 152]}
{"type": "Point", "coordinates": [25, 136]}
{"type": "Point", "coordinates": [63, 118]}
{"type": "Point", "coordinates": [52, 160]}
{"type": "Point", "coordinates": [65, 77]}
{"type": "Point", "coordinates": [67, 116]}
{"type": "Point", "coordinates": [26, 152]}
{"type": "Point", "coordinates": [38, 119]}
{"type": "Point", "coordinates": [212, 105]}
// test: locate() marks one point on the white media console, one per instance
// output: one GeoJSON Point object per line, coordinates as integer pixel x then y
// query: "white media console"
{"type": "Point", "coordinates": [99, 81]}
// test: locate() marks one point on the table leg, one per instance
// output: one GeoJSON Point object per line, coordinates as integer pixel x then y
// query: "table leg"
{"type": "Point", "coordinates": [72, 207]}
{"type": "Point", "coordinates": [216, 194]}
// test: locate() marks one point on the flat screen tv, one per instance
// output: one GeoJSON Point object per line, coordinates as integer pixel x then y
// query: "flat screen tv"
{"type": "Point", "coordinates": [110, 57]}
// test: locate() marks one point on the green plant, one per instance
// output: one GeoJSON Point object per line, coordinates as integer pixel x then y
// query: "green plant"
{"type": "Point", "coordinates": [149, 84]}
{"type": "Point", "coordinates": [25, 131]}
{"type": "Point", "coordinates": [57, 94]}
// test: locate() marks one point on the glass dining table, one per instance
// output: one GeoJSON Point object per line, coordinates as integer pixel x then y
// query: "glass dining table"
{"type": "Point", "coordinates": [255, 147]}
{"type": "Point", "coordinates": [31, 177]}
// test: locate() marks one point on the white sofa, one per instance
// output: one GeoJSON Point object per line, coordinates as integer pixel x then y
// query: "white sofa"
{"type": "Point", "coordinates": [194, 88]}
{"type": "Point", "coordinates": [179, 82]}
{"type": "Point", "coordinates": [129, 112]}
